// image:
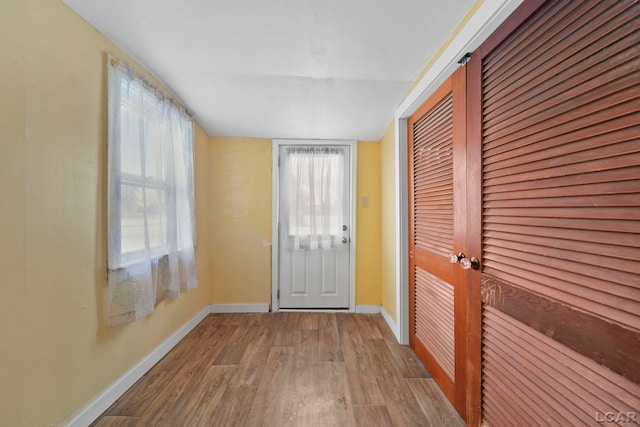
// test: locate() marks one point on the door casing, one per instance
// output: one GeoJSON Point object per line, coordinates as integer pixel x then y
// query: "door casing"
{"type": "Point", "coordinates": [275, 208]}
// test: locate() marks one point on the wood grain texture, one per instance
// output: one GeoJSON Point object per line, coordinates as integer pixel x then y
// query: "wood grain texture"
{"type": "Point", "coordinates": [137, 399]}
{"type": "Point", "coordinates": [329, 347]}
{"type": "Point", "coordinates": [400, 402]}
{"type": "Point", "coordinates": [560, 111]}
{"type": "Point", "coordinates": [234, 406]}
{"type": "Point", "coordinates": [554, 104]}
{"type": "Point", "coordinates": [196, 406]}
{"type": "Point", "coordinates": [546, 380]}
{"type": "Point", "coordinates": [371, 416]}
{"type": "Point", "coordinates": [269, 402]}
{"type": "Point", "coordinates": [607, 343]}
{"type": "Point", "coordinates": [232, 353]}
{"type": "Point", "coordinates": [325, 375]}
{"type": "Point", "coordinates": [109, 421]}
{"type": "Point", "coordinates": [251, 366]}
{"type": "Point", "coordinates": [406, 360]}
{"type": "Point", "coordinates": [474, 241]}
{"type": "Point", "coordinates": [439, 179]}
{"type": "Point", "coordinates": [363, 387]}
{"type": "Point", "coordinates": [436, 409]}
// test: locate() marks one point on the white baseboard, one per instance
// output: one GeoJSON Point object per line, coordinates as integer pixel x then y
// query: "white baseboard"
{"type": "Point", "coordinates": [109, 395]}
{"type": "Point", "coordinates": [392, 325]}
{"type": "Point", "coordinates": [368, 309]}
{"type": "Point", "coordinates": [239, 308]}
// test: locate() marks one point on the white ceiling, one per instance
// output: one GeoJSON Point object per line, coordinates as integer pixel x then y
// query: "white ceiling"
{"type": "Point", "coordinates": [282, 68]}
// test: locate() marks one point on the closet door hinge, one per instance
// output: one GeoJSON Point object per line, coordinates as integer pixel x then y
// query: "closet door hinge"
{"type": "Point", "coordinates": [466, 58]}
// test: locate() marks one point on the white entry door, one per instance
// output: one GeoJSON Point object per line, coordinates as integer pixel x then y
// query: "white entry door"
{"type": "Point", "coordinates": [314, 226]}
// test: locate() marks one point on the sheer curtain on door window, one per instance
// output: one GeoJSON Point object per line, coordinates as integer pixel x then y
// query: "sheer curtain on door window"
{"type": "Point", "coordinates": [313, 200]}
{"type": "Point", "coordinates": [151, 253]}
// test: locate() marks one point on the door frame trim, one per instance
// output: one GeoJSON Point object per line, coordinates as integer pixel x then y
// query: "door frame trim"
{"type": "Point", "coordinates": [275, 213]}
{"type": "Point", "coordinates": [486, 19]}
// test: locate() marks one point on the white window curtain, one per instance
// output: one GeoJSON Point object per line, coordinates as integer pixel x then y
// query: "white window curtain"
{"type": "Point", "coordinates": [314, 199]}
{"type": "Point", "coordinates": [151, 248]}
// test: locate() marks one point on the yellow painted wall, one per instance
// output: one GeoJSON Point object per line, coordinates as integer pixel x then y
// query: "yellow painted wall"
{"type": "Point", "coordinates": [240, 220]}
{"type": "Point", "coordinates": [57, 352]}
{"type": "Point", "coordinates": [368, 283]}
{"type": "Point", "coordinates": [12, 208]}
{"type": "Point", "coordinates": [388, 221]}
{"type": "Point", "coordinates": [241, 215]}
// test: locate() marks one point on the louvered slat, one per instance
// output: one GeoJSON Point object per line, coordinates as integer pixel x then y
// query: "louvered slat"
{"type": "Point", "coordinates": [435, 318]}
{"type": "Point", "coordinates": [547, 382]}
{"type": "Point", "coordinates": [561, 149]}
{"type": "Point", "coordinates": [433, 178]}
{"type": "Point", "coordinates": [560, 104]}
{"type": "Point", "coordinates": [544, 54]}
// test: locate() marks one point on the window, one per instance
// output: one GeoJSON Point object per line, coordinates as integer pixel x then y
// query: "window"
{"type": "Point", "coordinates": [150, 202]}
{"type": "Point", "coordinates": [315, 203]}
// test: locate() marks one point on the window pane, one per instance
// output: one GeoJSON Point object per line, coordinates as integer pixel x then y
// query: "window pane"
{"type": "Point", "coordinates": [132, 218]}
{"type": "Point", "coordinates": [315, 182]}
{"type": "Point", "coordinates": [156, 218]}
{"type": "Point", "coordinates": [153, 153]}
{"type": "Point", "coordinates": [130, 148]}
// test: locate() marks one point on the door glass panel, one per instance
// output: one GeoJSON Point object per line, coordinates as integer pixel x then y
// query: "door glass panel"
{"type": "Point", "coordinates": [313, 211]}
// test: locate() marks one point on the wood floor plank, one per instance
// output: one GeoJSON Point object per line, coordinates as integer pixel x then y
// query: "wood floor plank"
{"type": "Point", "coordinates": [269, 402]}
{"type": "Point", "coordinates": [181, 383]}
{"type": "Point", "coordinates": [252, 319]}
{"type": "Point", "coordinates": [399, 400]}
{"type": "Point", "coordinates": [436, 408]}
{"type": "Point", "coordinates": [367, 328]}
{"type": "Point", "coordinates": [302, 388]}
{"type": "Point", "coordinates": [405, 358]}
{"type": "Point", "coordinates": [306, 349]}
{"type": "Point", "coordinates": [230, 319]}
{"type": "Point", "coordinates": [335, 408]}
{"type": "Point", "coordinates": [288, 328]}
{"type": "Point", "coordinates": [300, 396]}
{"type": "Point", "coordinates": [371, 416]}
{"type": "Point", "coordinates": [195, 406]}
{"type": "Point", "coordinates": [363, 386]}
{"type": "Point", "coordinates": [236, 346]}
{"type": "Point", "coordinates": [329, 347]}
{"type": "Point", "coordinates": [116, 421]}
{"type": "Point", "coordinates": [234, 406]}
{"type": "Point", "coordinates": [285, 369]}
{"type": "Point", "coordinates": [251, 366]}
{"type": "Point", "coordinates": [309, 320]}
{"type": "Point", "coordinates": [137, 399]}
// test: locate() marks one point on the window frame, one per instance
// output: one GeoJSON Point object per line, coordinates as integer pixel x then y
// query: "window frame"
{"type": "Point", "coordinates": [126, 258]}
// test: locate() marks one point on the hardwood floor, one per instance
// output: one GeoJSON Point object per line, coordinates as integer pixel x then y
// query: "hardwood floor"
{"type": "Point", "coordinates": [286, 369]}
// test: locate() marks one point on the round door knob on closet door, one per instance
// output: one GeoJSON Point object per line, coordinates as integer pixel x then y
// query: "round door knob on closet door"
{"type": "Point", "coordinates": [467, 263]}
{"type": "Point", "coordinates": [453, 258]}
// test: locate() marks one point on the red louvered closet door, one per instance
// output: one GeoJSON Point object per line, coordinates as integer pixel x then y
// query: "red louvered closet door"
{"type": "Point", "coordinates": [437, 147]}
{"type": "Point", "coordinates": [555, 93]}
